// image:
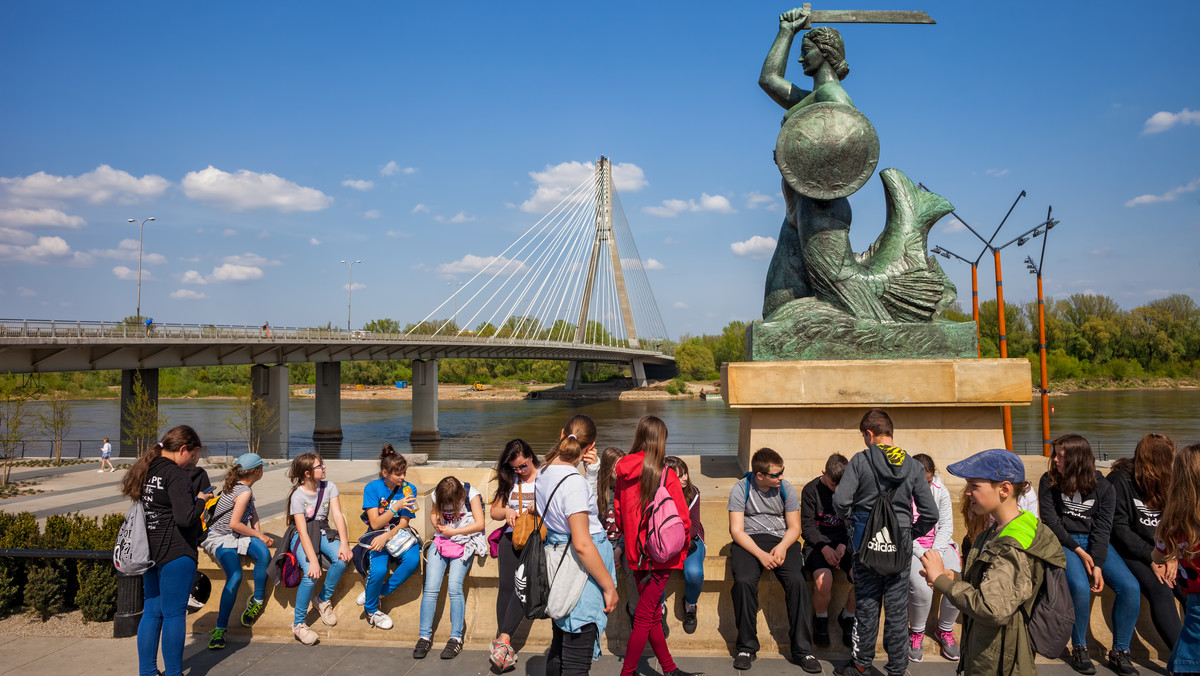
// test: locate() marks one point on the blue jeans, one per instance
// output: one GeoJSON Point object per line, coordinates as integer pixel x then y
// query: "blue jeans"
{"type": "Point", "coordinates": [435, 568]}
{"type": "Point", "coordinates": [1116, 575]}
{"type": "Point", "coordinates": [305, 590]}
{"type": "Point", "coordinates": [693, 574]}
{"type": "Point", "coordinates": [164, 613]}
{"type": "Point", "coordinates": [378, 582]}
{"type": "Point", "coordinates": [1185, 656]}
{"type": "Point", "coordinates": [231, 563]}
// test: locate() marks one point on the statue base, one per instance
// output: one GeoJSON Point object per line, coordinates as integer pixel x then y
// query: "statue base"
{"type": "Point", "coordinates": [806, 410]}
{"type": "Point", "coordinates": [807, 328]}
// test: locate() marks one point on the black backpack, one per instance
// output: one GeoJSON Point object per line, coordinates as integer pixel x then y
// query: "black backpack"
{"type": "Point", "coordinates": [532, 584]}
{"type": "Point", "coordinates": [885, 549]}
{"type": "Point", "coordinates": [1052, 614]}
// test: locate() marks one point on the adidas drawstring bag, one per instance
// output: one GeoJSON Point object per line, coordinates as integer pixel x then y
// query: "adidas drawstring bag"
{"type": "Point", "coordinates": [885, 548]}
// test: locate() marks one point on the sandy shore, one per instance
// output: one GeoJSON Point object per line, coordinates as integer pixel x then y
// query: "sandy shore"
{"type": "Point", "coordinates": [601, 391]}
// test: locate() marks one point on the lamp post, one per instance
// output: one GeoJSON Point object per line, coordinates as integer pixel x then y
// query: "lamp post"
{"type": "Point", "coordinates": [350, 291]}
{"type": "Point", "coordinates": [946, 253]}
{"type": "Point", "coordinates": [455, 286]}
{"type": "Point", "coordinates": [1036, 269]}
{"type": "Point", "coordinates": [141, 226]}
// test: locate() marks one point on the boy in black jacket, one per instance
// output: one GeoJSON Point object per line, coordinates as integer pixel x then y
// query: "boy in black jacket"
{"type": "Point", "coordinates": [826, 546]}
{"type": "Point", "coordinates": [887, 467]}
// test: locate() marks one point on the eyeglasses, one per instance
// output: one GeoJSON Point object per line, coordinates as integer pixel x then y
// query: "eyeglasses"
{"type": "Point", "coordinates": [771, 475]}
{"type": "Point", "coordinates": [519, 468]}
{"type": "Point", "coordinates": [321, 466]}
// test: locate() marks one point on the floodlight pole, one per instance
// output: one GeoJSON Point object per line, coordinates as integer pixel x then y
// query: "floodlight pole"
{"type": "Point", "coordinates": [1044, 390]}
{"type": "Point", "coordinates": [946, 253]}
{"type": "Point", "coordinates": [141, 227]}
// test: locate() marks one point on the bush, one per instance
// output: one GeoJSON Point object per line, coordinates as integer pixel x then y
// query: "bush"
{"type": "Point", "coordinates": [97, 597]}
{"type": "Point", "coordinates": [45, 590]}
{"type": "Point", "coordinates": [671, 389]}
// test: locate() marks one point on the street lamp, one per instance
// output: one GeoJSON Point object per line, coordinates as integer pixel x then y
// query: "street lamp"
{"type": "Point", "coordinates": [1036, 269]}
{"type": "Point", "coordinates": [141, 226]}
{"type": "Point", "coordinates": [947, 254]}
{"type": "Point", "coordinates": [454, 296]}
{"type": "Point", "coordinates": [350, 291]}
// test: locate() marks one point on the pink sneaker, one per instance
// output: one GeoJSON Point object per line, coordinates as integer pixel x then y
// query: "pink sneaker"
{"type": "Point", "coordinates": [916, 651]}
{"type": "Point", "coordinates": [949, 645]}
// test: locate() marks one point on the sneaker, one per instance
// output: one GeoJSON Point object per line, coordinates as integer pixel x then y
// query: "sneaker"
{"type": "Point", "coordinates": [810, 664]}
{"type": "Point", "coordinates": [325, 608]}
{"type": "Point", "coordinates": [742, 661]}
{"type": "Point", "coordinates": [1118, 661]}
{"type": "Point", "coordinates": [101, 470]}
{"type": "Point", "coordinates": [422, 648]}
{"type": "Point", "coordinates": [851, 669]}
{"type": "Point", "coordinates": [689, 621]}
{"type": "Point", "coordinates": [916, 643]}
{"type": "Point", "coordinates": [254, 610]}
{"type": "Point", "coordinates": [503, 657]}
{"type": "Point", "coordinates": [1080, 661]}
{"type": "Point", "coordinates": [113, 469]}
{"type": "Point", "coordinates": [217, 640]}
{"type": "Point", "coordinates": [304, 634]}
{"type": "Point", "coordinates": [452, 649]}
{"type": "Point", "coordinates": [846, 622]}
{"type": "Point", "coordinates": [949, 645]}
{"type": "Point", "coordinates": [821, 632]}
{"type": "Point", "coordinates": [681, 672]}
{"type": "Point", "coordinates": [379, 620]}
{"type": "Point", "coordinates": [361, 599]}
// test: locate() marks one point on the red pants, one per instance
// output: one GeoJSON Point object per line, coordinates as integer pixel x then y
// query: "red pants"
{"type": "Point", "coordinates": [647, 622]}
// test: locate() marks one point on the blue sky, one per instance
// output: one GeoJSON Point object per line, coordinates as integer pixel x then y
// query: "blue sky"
{"type": "Point", "coordinates": [272, 140]}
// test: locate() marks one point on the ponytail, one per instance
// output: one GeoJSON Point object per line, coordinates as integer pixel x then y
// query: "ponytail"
{"type": "Point", "coordinates": [578, 434]}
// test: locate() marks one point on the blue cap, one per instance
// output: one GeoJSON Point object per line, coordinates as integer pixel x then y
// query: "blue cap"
{"type": "Point", "coordinates": [996, 464]}
{"type": "Point", "coordinates": [249, 461]}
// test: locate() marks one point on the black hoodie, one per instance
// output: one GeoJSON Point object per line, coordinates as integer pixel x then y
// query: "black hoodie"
{"type": "Point", "coordinates": [891, 466]}
{"type": "Point", "coordinates": [1090, 515]}
{"type": "Point", "coordinates": [1133, 522]}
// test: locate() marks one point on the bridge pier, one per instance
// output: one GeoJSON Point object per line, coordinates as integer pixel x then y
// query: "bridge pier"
{"type": "Point", "coordinates": [425, 401]}
{"type": "Point", "coordinates": [149, 379]}
{"type": "Point", "coordinates": [574, 374]}
{"type": "Point", "coordinates": [269, 385]}
{"type": "Point", "coordinates": [637, 369]}
{"type": "Point", "coordinates": [328, 419]}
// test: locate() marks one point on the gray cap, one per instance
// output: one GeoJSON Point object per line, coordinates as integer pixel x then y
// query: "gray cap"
{"type": "Point", "coordinates": [997, 464]}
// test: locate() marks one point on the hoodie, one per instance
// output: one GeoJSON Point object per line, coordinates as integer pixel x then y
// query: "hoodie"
{"type": "Point", "coordinates": [627, 505]}
{"type": "Point", "coordinates": [1133, 522]}
{"type": "Point", "coordinates": [1003, 572]}
{"type": "Point", "coordinates": [892, 467]}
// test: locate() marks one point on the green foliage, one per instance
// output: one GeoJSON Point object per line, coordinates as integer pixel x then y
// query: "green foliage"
{"type": "Point", "coordinates": [45, 586]}
{"type": "Point", "coordinates": [382, 326]}
{"type": "Point", "coordinates": [45, 591]}
{"type": "Point", "coordinates": [141, 423]}
{"type": "Point", "coordinates": [671, 388]}
{"type": "Point", "coordinates": [14, 419]}
{"type": "Point", "coordinates": [694, 360]}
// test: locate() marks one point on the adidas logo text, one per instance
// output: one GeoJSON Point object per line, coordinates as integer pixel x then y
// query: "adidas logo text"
{"type": "Point", "coordinates": [881, 542]}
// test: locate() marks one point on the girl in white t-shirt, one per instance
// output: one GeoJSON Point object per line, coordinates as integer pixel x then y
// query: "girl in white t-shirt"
{"type": "Point", "coordinates": [315, 500]}
{"type": "Point", "coordinates": [516, 473]}
{"type": "Point", "coordinates": [457, 518]}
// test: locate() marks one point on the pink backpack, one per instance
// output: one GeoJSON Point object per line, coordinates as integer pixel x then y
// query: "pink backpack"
{"type": "Point", "coordinates": [665, 534]}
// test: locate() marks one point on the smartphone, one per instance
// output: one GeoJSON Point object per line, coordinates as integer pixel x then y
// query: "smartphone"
{"type": "Point", "coordinates": [210, 489]}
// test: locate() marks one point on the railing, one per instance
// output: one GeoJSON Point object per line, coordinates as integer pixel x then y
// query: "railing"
{"type": "Point", "coordinates": [130, 595]}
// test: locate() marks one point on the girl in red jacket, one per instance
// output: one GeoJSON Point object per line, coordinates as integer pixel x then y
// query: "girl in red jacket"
{"type": "Point", "coordinates": [638, 478]}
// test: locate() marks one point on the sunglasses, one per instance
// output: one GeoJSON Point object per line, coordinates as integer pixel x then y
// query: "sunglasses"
{"type": "Point", "coordinates": [771, 475]}
{"type": "Point", "coordinates": [519, 468]}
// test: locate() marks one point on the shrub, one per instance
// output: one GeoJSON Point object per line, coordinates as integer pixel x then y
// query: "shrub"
{"type": "Point", "coordinates": [97, 596]}
{"type": "Point", "coordinates": [671, 389]}
{"type": "Point", "coordinates": [45, 591]}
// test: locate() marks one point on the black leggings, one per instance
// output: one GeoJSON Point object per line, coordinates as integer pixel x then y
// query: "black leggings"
{"type": "Point", "coordinates": [571, 654]}
{"type": "Point", "coordinates": [1164, 612]}
{"type": "Point", "coordinates": [509, 613]}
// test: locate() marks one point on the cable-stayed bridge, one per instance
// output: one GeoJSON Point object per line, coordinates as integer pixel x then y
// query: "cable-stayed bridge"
{"type": "Point", "coordinates": [572, 287]}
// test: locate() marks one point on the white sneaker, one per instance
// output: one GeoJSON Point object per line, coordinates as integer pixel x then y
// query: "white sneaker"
{"type": "Point", "coordinates": [99, 471]}
{"type": "Point", "coordinates": [325, 608]}
{"type": "Point", "coordinates": [379, 620]}
{"type": "Point", "coordinates": [304, 634]}
{"type": "Point", "coordinates": [361, 599]}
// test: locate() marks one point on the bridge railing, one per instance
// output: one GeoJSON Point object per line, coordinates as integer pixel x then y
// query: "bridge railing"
{"type": "Point", "coordinates": [66, 329]}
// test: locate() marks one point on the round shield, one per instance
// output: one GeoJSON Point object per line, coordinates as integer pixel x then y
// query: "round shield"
{"type": "Point", "coordinates": [827, 150]}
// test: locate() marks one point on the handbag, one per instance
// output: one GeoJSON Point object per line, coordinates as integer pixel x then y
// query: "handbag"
{"type": "Point", "coordinates": [448, 548]}
{"type": "Point", "coordinates": [403, 541]}
{"type": "Point", "coordinates": [525, 522]}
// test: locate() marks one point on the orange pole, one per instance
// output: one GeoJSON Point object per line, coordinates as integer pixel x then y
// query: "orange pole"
{"type": "Point", "coordinates": [1045, 379]}
{"type": "Point", "coordinates": [1008, 440]}
{"type": "Point", "coordinates": [975, 305]}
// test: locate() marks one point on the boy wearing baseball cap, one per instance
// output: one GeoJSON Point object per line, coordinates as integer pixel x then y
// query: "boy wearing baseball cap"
{"type": "Point", "coordinates": [1003, 570]}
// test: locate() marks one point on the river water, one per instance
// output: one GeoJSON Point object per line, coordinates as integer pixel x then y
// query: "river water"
{"type": "Point", "coordinates": [1113, 420]}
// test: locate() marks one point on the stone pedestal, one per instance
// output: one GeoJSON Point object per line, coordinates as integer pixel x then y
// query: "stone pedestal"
{"type": "Point", "coordinates": [806, 410]}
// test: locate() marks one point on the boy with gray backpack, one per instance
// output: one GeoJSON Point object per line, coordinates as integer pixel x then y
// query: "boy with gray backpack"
{"type": "Point", "coordinates": [1013, 594]}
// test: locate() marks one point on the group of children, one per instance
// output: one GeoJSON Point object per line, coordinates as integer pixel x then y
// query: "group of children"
{"type": "Point", "coordinates": [1135, 530]}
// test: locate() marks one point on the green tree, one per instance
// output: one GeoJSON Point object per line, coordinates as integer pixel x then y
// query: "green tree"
{"type": "Point", "coordinates": [142, 421]}
{"type": "Point", "coordinates": [694, 360]}
{"type": "Point", "coordinates": [382, 326]}
{"type": "Point", "coordinates": [14, 420]}
{"type": "Point", "coordinates": [55, 421]}
{"type": "Point", "coordinates": [252, 419]}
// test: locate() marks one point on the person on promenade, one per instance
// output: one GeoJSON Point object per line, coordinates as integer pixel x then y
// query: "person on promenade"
{"type": "Point", "coordinates": [1177, 547]}
{"type": "Point", "coordinates": [567, 503]}
{"type": "Point", "coordinates": [1078, 504]}
{"type": "Point", "coordinates": [106, 456]}
{"type": "Point", "coordinates": [1005, 568]}
{"type": "Point", "coordinates": [149, 326]}
{"type": "Point", "coordinates": [388, 504]}
{"type": "Point", "coordinates": [693, 565]}
{"type": "Point", "coordinates": [882, 466]}
{"type": "Point", "coordinates": [312, 503]}
{"type": "Point", "coordinates": [516, 476]}
{"type": "Point", "coordinates": [1140, 486]}
{"type": "Point", "coordinates": [826, 547]}
{"type": "Point", "coordinates": [160, 480]}
{"type": "Point", "coordinates": [920, 594]}
{"type": "Point", "coordinates": [457, 518]}
{"type": "Point", "coordinates": [235, 533]}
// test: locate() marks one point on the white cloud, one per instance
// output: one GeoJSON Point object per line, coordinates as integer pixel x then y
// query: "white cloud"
{"type": "Point", "coordinates": [652, 264]}
{"type": "Point", "coordinates": [680, 305]}
{"type": "Point", "coordinates": [186, 294]}
{"type": "Point", "coordinates": [951, 225]}
{"type": "Point", "coordinates": [250, 190]}
{"type": "Point", "coordinates": [756, 199]}
{"type": "Point", "coordinates": [229, 232]}
{"type": "Point", "coordinates": [409, 170]}
{"type": "Point", "coordinates": [471, 264]}
{"type": "Point", "coordinates": [15, 236]}
{"type": "Point", "coordinates": [25, 293]}
{"type": "Point", "coordinates": [231, 272]}
{"type": "Point", "coordinates": [1169, 196]}
{"type": "Point", "coordinates": [756, 247]}
{"type": "Point", "coordinates": [314, 241]}
{"type": "Point", "coordinates": [263, 234]}
{"type": "Point", "coordinates": [250, 259]}
{"type": "Point", "coordinates": [193, 277]}
{"type": "Point", "coordinates": [1101, 252]}
{"type": "Point", "coordinates": [996, 173]}
{"type": "Point", "coordinates": [102, 184]}
{"type": "Point", "coordinates": [672, 208]}
{"type": "Point", "coordinates": [420, 208]}
{"type": "Point", "coordinates": [391, 169]}
{"type": "Point", "coordinates": [460, 217]}
{"type": "Point", "coordinates": [356, 287]}
{"type": "Point", "coordinates": [130, 275]}
{"type": "Point", "coordinates": [398, 234]}
{"type": "Point", "coordinates": [373, 213]}
{"type": "Point", "coordinates": [358, 184]}
{"type": "Point", "coordinates": [127, 250]}
{"type": "Point", "coordinates": [556, 182]}
{"type": "Point", "coordinates": [39, 218]}
{"type": "Point", "coordinates": [1162, 121]}
{"type": "Point", "coordinates": [47, 250]}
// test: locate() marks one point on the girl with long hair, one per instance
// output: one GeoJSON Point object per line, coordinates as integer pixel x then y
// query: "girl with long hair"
{"type": "Point", "coordinates": [516, 477]}
{"type": "Point", "coordinates": [693, 565]}
{"type": "Point", "coordinates": [312, 504]}
{"type": "Point", "coordinates": [1078, 504]}
{"type": "Point", "coordinates": [1177, 547]}
{"type": "Point", "coordinates": [160, 479]}
{"type": "Point", "coordinates": [639, 476]}
{"type": "Point", "coordinates": [920, 594]}
{"type": "Point", "coordinates": [389, 502]}
{"type": "Point", "coordinates": [1141, 484]}
{"type": "Point", "coordinates": [567, 503]}
{"type": "Point", "coordinates": [235, 533]}
{"type": "Point", "coordinates": [457, 518]}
